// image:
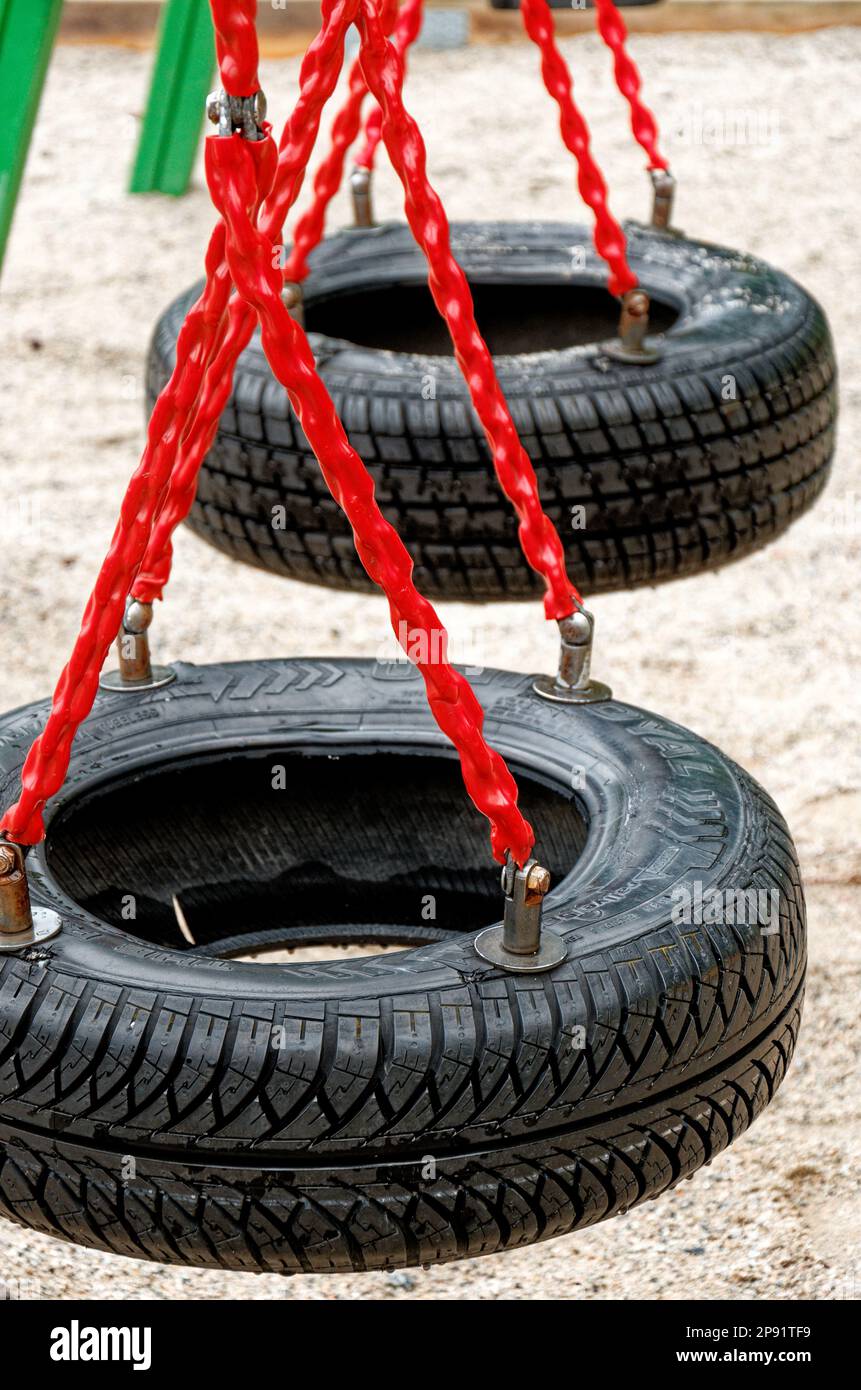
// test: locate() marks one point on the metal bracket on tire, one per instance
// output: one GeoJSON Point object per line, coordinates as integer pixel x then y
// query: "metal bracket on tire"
{"type": "Point", "coordinates": [21, 925]}
{"type": "Point", "coordinates": [632, 343]}
{"type": "Point", "coordinates": [136, 671]}
{"type": "Point", "coordinates": [520, 944]}
{"type": "Point", "coordinates": [572, 684]}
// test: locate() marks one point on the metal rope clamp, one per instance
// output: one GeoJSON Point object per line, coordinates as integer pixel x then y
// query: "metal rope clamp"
{"type": "Point", "coordinates": [21, 924]}
{"type": "Point", "coordinates": [237, 115]}
{"type": "Point", "coordinates": [520, 944]}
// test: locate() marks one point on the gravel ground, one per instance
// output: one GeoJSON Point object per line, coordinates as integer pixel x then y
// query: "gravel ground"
{"type": "Point", "coordinates": [761, 658]}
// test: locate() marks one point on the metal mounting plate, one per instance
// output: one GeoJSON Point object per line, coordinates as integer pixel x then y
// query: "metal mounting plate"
{"type": "Point", "coordinates": [552, 951]}
{"type": "Point", "coordinates": [46, 923]}
{"type": "Point", "coordinates": [113, 680]}
{"type": "Point", "coordinates": [591, 694]}
{"type": "Point", "coordinates": [636, 356]}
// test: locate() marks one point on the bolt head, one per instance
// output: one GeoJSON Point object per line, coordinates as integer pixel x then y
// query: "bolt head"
{"type": "Point", "coordinates": [7, 860]}
{"type": "Point", "coordinates": [138, 617]}
{"type": "Point", "coordinates": [576, 630]}
{"type": "Point", "coordinates": [538, 880]}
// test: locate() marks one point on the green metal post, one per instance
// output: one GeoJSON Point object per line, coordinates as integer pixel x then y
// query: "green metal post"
{"type": "Point", "coordinates": [27, 32]}
{"type": "Point", "coordinates": [184, 67]}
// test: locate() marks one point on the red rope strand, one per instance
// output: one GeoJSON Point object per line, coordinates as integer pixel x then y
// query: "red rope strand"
{"type": "Point", "coordinates": [610, 240]}
{"type": "Point", "coordinates": [406, 32]}
{"type": "Point", "coordinates": [614, 32]}
{"type": "Point", "coordinates": [240, 173]}
{"type": "Point", "coordinates": [183, 423]}
{"type": "Point", "coordinates": [329, 176]}
{"type": "Point", "coordinates": [328, 179]}
{"type": "Point", "coordinates": [318, 77]}
{"type": "Point", "coordinates": [539, 539]}
{"type": "Point", "coordinates": [236, 45]}
{"type": "Point", "coordinates": [47, 762]}
{"type": "Point", "coordinates": [231, 177]}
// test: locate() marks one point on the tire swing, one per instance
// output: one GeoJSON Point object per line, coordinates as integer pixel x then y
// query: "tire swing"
{"type": "Point", "coordinates": [652, 464]}
{"type": "Point", "coordinates": [499, 1081]}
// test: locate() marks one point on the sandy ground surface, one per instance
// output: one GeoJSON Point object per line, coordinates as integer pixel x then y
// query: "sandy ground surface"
{"type": "Point", "coordinates": [762, 658]}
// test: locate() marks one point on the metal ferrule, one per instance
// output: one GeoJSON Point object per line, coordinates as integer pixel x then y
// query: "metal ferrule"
{"type": "Point", "coordinates": [295, 301]}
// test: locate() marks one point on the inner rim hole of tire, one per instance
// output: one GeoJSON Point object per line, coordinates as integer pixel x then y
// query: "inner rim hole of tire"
{"type": "Point", "coordinates": [262, 851]}
{"type": "Point", "coordinates": [513, 318]}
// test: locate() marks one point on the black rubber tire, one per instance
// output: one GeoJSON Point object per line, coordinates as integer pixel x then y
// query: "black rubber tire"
{"type": "Point", "coordinates": [313, 1154]}
{"type": "Point", "coordinates": [672, 478]}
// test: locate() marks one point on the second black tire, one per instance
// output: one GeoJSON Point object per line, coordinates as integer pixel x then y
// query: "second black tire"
{"type": "Point", "coordinates": [649, 472]}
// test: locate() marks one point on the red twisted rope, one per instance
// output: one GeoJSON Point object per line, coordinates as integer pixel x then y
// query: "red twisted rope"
{"type": "Point", "coordinates": [406, 33]}
{"type": "Point", "coordinates": [236, 46]}
{"type": "Point", "coordinates": [47, 762]}
{"type": "Point", "coordinates": [513, 467]}
{"type": "Point", "coordinates": [250, 169]}
{"type": "Point", "coordinates": [539, 539]}
{"type": "Point", "coordinates": [329, 176]}
{"type": "Point", "coordinates": [183, 423]}
{"type": "Point", "coordinates": [232, 179]}
{"type": "Point", "coordinates": [614, 32]}
{"type": "Point", "coordinates": [318, 77]}
{"type": "Point", "coordinates": [610, 240]}
{"type": "Point", "coordinates": [300, 133]}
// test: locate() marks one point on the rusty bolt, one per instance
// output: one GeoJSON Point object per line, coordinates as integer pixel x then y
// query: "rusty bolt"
{"type": "Point", "coordinates": [7, 861]}
{"type": "Point", "coordinates": [537, 885]}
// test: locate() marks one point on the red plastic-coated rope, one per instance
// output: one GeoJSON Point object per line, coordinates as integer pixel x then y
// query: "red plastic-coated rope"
{"type": "Point", "coordinates": [406, 32]}
{"type": "Point", "coordinates": [610, 241]}
{"type": "Point", "coordinates": [614, 32]}
{"type": "Point", "coordinates": [204, 339]}
{"type": "Point", "coordinates": [47, 762]}
{"type": "Point", "coordinates": [318, 77]}
{"type": "Point", "coordinates": [329, 176]}
{"type": "Point", "coordinates": [323, 63]}
{"type": "Point", "coordinates": [539, 538]}
{"type": "Point", "coordinates": [328, 179]}
{"type": "Point", "coordinates": [230, 175]}
{"type": "Point", "coordinates": [236, 45]}
{"type": "Point", "coordinates": [139, 557]}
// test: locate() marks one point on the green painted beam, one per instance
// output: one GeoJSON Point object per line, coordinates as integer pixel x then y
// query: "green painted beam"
{"type": "Point", "coordinates": [27, 32]}
{"type": "Point", "coordinates": [184, 67]}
